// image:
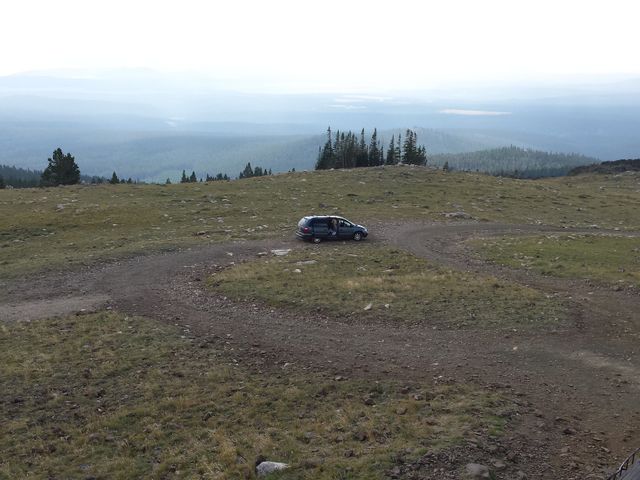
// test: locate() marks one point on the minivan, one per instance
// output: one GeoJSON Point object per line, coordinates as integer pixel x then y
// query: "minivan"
{"type": "Point", "coordinates": [318, 228]}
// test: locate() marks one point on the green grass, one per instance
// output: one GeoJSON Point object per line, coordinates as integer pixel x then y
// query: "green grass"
{"type": "Point", "coordinates": [55, 227]}
{"type": "Point", "coordinates": [603, 258]}
{"type": "Point", "coordinates": [343, 280]}
{"type": "Point", "coordinates": [110, 396]}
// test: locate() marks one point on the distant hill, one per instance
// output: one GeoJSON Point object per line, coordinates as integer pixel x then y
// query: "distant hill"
{"type": "Point", "coordinates": [616, 166]}
{"type": "Point", "coordinates": [512, 161]}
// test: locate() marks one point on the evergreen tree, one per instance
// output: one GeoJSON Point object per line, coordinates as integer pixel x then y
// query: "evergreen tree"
{"type": "Point", "coordinates": [193, 178]}
{"type": "Point", "coordinates": [247, 172]}
{"type": "Point", "coordinates": [445, 167]}
{"type": "Point", "coordinates": [413, 154]}
{"type": "Point", "coordinates": [398, 152]}
{"type": "Point", "coordinates": [374, 150]}
{"type": "Point", "coordinates": [326, 155]}
{"type": "Point", "coordinates": [184, 178]}
{"type": "Point", "coordinates": [362, 153]}
{"type": "Point", "coordinates": [114, 179]}
{"type": "Point", "coordinates": [2, 185]}
{"type": "Point", "coordinates": [391, 152]}
{"type": "Point", "coordinates": [62, 170]}
{"type": "Point", "coordinates": [168, 182]}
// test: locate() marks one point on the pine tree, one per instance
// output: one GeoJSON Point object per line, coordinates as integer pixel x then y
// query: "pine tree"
{"type": "Point", "coordinates": [193, 178]}
{"type": "Point", "coordinates": [247, 172]}
{"type": "Point", "coordinates": [391, 152]}
{"type": "Point", "coordinates": [362, 154]}
{"type": "Point", "coordinates": [184, 178]}
{"type": "Point", "coordinates": [114, 179]}
{"type": "Point", "coordinates": [168, 182]}
{"type": "Point", "coordinates": [413, 154]}
{"type": "Point", "coordinates": [326, 155]}
{"type": "Point", "coordinates": [445, 167]}
{"type": "Point", "coordinates": [374, 150]}
{"type": "Point", "coordinates": [2, 185]}
{"type": "Point", "coordinates": [398, 152]}
{"type": "Point", "coordinates": [62, 170]}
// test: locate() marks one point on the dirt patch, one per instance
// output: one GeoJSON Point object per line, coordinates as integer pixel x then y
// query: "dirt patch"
{"type": "Point", "coordinates": [35, 309]}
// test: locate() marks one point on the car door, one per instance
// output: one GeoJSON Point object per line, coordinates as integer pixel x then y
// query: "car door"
{"type": "Point", "coordinates": [320, 227]}
{"type": "Point", "coordinates": [346, 229]}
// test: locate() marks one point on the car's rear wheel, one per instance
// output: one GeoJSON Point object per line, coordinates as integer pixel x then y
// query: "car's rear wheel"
{"type": "Point", "coordinates": [357, 236]}
{"type": "Point", "coordinates": [316, 239]}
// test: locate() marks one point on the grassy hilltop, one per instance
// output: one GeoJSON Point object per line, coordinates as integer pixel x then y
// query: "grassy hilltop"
{"type": "Point", "coordinates": [114, 395]}
{"type": "Point", "coordinates": [53, 227]}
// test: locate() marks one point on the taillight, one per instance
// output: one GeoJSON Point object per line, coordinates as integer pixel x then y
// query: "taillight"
{"type": "Point", "coordinates": [306, 230]}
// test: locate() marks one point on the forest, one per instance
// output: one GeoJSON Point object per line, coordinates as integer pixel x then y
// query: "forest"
{"type": "Point", "coordinates": [11, 176]}
{"type": "Point", "coordinates": [512, 161]}
{"type": "Point", "coordinates": [347, 150]}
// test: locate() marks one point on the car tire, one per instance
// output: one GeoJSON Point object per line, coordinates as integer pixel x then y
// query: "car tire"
{"type": "Point", "coordinates": [316, 239]}
{"type": "Point", "coordinates": [357, 236]}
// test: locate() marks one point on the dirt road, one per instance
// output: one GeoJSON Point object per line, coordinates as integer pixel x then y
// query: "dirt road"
{"type": "Point", "coordinates": [578, 388]}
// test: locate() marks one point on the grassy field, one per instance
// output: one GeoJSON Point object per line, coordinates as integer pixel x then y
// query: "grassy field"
{"type": "Point", "coordinates": [109, 396]}
{"type": "Point", "coordinates": [603, 258]}
{"type": "Point", "coordinates": [369, 282]}
{"type": "Point", "coordinates": [55, 227]}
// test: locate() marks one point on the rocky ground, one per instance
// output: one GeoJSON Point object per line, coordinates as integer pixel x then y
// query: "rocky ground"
{"type": "Point", "coordinates": [576, 387]}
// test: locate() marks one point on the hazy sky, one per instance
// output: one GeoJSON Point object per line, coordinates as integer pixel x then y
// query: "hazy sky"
{"type": "Point", "coordinates": [328, 44]}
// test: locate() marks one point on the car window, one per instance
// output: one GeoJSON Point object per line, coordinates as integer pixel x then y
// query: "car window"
{"type": "Point", "coordinates": [344, 223]}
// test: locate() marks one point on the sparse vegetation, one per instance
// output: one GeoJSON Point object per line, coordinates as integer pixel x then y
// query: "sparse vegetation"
{"type": "Point", "coordinates": [366, 282]}
{"type": "Point", "coordinates": [602, 258]}
{"type": "Point", "coordinates": [78, 224]}
{"type": "Point", "coordinates": [110, 396]}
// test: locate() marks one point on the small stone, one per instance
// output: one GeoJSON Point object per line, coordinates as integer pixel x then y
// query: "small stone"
{"type": "Point", "coordinates": [499, 465]}
{"type": "Point", "coordinates": [401, 410]}
{"type": "Point", "coordinates": [265, 468]}
{"type": "Point", "coordinates": [369, 306]}
{"type": "Point", "coordinates": [475, 471]}
{"type": "Point", "coordinates": [361, 436]}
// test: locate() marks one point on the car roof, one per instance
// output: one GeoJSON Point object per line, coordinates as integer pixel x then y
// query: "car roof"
{"type": "Point", "coordinates": [326, 216]}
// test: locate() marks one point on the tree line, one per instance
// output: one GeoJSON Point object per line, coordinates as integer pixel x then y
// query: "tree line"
{"type": "Point", "coordinates": [512, 161]}
{"type": "Point", "coordinates": [62, 169]}
{"type": "Point", "coordinates": [348, 150]}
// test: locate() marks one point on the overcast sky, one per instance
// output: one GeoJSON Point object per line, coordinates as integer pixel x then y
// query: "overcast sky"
{"type": "Point", "coordinates": [325, 45]}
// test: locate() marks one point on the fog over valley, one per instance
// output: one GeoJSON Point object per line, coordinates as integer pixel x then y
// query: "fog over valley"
{"type": "Point", "coordinates": [151, 125]}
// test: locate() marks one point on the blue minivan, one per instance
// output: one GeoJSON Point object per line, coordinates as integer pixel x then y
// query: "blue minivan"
{"type": "Point", "coordinates": [318, 228]}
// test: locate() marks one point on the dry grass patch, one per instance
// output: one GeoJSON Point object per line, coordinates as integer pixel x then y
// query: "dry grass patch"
{"type": "Point", "coordinates": [608, 259]}
{"type": "Point", "coordinates": [371, 283]}
{"type": "Point", "coordinates": [109, 396]}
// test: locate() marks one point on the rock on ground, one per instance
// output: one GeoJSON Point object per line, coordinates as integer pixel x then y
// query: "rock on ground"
{"type": "Point", "coordinates": [265, 468]}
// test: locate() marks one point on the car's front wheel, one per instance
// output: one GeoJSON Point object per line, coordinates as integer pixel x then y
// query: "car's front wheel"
{"type": "Point", "coordinates": [316, 239]}
{"type": "Point", "coordinates": [357, 236]}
